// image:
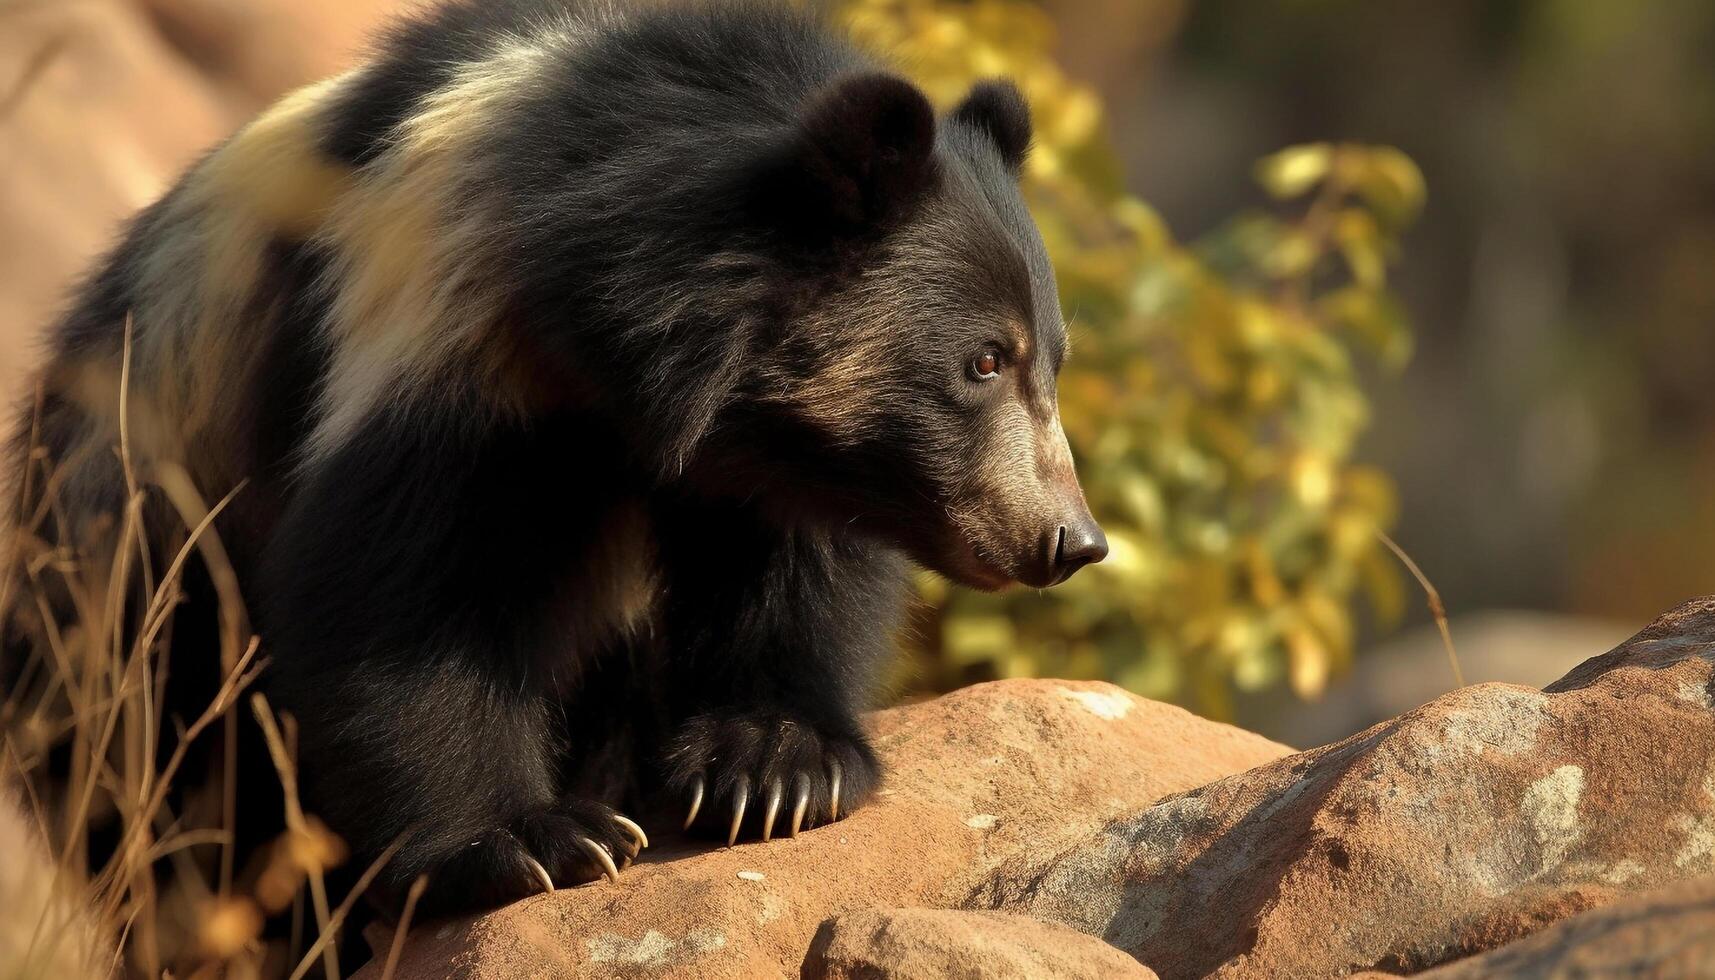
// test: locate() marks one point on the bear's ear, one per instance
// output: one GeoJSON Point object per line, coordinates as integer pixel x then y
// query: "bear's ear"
{"type": "Point", "coordinates": [997, 109]}
{"type": "Point", "coordinates": [858, 156]}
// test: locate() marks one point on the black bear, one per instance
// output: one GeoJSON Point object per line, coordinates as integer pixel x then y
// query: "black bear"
{"type": "Point", "coordinates": [595, 375]}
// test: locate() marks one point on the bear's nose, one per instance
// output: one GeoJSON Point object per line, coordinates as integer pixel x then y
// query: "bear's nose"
{"type": "Point", "coordinates": [1081, 543]}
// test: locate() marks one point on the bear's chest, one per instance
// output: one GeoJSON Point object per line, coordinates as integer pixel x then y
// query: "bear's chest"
{"type": "Point", "coordinates": [608, 598]}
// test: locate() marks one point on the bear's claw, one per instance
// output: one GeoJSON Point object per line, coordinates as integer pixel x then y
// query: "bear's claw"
{"type": "Point", "coordinates": [740, 800]}
{"type": "Point", "coordinates": [696, 802]}
{"type": "Point", "coordinates": [834, 789]}
{"type": "Point", "coordinates": [640, 838]}
{"type": "Point", "coordinates": [541, 874]}
{"type": "Point", "coordinates": [755, 767]}
{"type": "Point", "coordinates": [600, 856]}
{"type": "Point", "coordinates": [568, 843]}
{"type": "Point", "coordinates": [802, 783]}
{"type": "Point", "coordinates": [771, 810]}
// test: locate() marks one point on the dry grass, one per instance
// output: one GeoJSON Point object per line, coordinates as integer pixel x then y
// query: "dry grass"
{"type": "Point", "coordinates": [1437, 608]}
{"type": "Point", "coordinates": [167, 899]}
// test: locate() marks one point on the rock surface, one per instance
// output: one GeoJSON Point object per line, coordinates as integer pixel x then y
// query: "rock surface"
{"type": "Point", "coordinates": [976, 780]}
{"type": "Point", "coordinates": [46, 926]}
{"type": "Point", "coordinates": [1512, 646]}
{"type": "Point", "coordinates": [1450, 830]}
{"type": "Point", "coordinates": [101, 106]}
{"type": "Point", "coordinates": [1455, 829]}
{"type": "Point", "coordinates": [931, 944]}
{"type": "Point", "coordinates": [1669, 932]}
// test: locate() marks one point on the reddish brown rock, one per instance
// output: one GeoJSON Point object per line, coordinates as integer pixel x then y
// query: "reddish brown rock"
{"type": "Point", "coordinates": [1667, 933]}
{"type": "Point", "coordinates": [1453, 830]}
{"type": "Point", "coordinates": [976, 780]}
{"type": "Point", "coordinates": [46, 927]}
{"type": "Point", "coordinates": [933, 944]}
{"type": "Point", "coordinates": [103, 104]}
{"type": "Point", "coordinates": [1456, 828]}
{"type": "Point", "coordinates": [96, 115]}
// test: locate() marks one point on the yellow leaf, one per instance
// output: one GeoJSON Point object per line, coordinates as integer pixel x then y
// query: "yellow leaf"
{"type": "Point", "coordinates": [1360, 243]}
{"type": "Point", "coordinates": [1293, 255]}
{"type": "Point", "coordinates": [1384, 585]}
{"type": "Point", "coordinates": [1294, 170]}
{"type": "Point", "coordinates": [1390, 183]}
{"type": "Point", "coordinates": [1265, 584]}
{"type": "Point", "coordinates": [1079, 114]}
{"type": "Point", "coordinates": [1308, 663]}
{"type": "Point", "coordinates": [1313, 480]}
{"type": "Point", "coordinates": [1329, 618]}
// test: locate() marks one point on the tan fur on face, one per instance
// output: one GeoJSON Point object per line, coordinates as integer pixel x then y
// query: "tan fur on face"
{"type": "Point", "coordinates": [852, 344]}
{"type": "Point", "coordinates": [1002, 507]}
{"type": "Point", "coordinates": [1021, 485]}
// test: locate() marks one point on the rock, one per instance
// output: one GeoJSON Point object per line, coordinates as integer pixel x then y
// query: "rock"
{"type": "Point", "coordinates": [1682, 635]}
{"type": "Point", "coordinates": [1451, 830]}
{"type": "Point", "coordinates": [929, 944]}
{"type": "Point", "coordinates": [84, 142]}
{"type": "Point", "coordinates": [102, 105]}
{"type": "Point", "coordinates": [1513, 646]}
{"type": "Point", "coordinates": [1669, 932]}
{"type": "Point", "coordinates": [977, 780]}
{"type": "Point", "coordinates": [46, 928]}
{"type": "Point", "coordinates": [1456, 829]}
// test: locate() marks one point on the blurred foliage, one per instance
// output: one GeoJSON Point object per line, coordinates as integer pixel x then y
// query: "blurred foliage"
{"type": "Point", "coordinates": [1212, 398]}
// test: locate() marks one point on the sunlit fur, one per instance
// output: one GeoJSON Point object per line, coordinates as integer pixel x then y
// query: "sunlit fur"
{"type": "Point", "coordinates": [594, 374]}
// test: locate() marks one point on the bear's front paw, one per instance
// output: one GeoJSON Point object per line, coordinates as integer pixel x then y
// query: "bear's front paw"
{"type": "Point", "coordinates": [747, 769]}
{"type": "Point", "coordinates": [569, 843]}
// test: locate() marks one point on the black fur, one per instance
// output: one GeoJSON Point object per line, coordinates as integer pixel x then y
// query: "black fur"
{"type": "Point", "coordinates": [418, 56]}
{"type": "Point", "coordinates": [998, 109]}
{"type": "Point", "coordinates": [746, 273]}
{"type": "Point", "coordinates": [862, 155]}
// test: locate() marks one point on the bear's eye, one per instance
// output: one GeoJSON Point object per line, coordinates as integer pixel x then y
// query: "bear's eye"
{"type": "Point", "coordinates": [986, 365]}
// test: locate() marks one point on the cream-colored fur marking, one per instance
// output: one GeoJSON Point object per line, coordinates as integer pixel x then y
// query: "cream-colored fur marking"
{"type": "Point", "coordinates": [414, 279]}
{"type": "Point", "coordinates": [269, 180]}
{"type": "Point", "coordinates": [414, 245]}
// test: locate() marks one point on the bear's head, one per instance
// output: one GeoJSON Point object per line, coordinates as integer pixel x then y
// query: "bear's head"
{"type": "Point", "coordinates": [909, 385]}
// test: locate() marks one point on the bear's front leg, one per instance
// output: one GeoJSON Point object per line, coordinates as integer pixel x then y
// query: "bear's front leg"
{"type": "Point", "coordinates": [407, 601]}
{"type": "Point", "coordinates": [776, 636]}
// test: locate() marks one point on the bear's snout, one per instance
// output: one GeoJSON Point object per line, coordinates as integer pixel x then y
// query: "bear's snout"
{"type": "Point", "coordinates": [1076, 544]}
{"type": "Point", "coordinates": [1065, 546]}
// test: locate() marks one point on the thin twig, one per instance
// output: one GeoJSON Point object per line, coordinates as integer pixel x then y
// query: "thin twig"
{"type": "Point", "coordinates": [398, 944]}
{"type": "Point", "coordinates": [344, 909]}
{"type": "Point", "coordinates": [295, 824]}
{"type": "Point", "coordinates": [1436, 608]}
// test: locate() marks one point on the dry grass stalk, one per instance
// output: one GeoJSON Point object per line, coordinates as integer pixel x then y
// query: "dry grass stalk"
{"type": "Point", "coordinates": [166, 897]}
{"type": "Point", "coordinates": [1436, 608]}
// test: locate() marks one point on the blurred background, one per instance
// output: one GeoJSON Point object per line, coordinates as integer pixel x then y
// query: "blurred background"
{"type": "Point", "coordinates": [1333, 267]}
